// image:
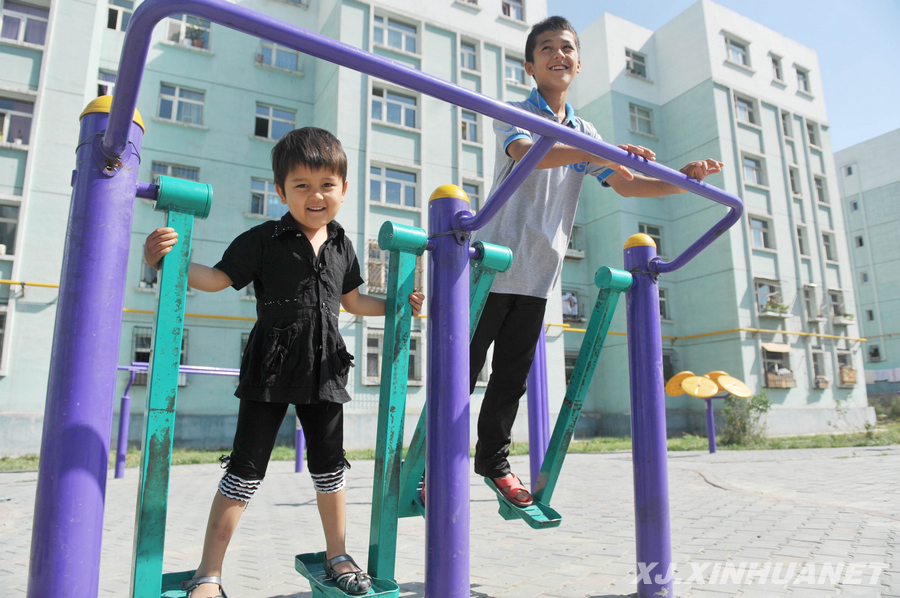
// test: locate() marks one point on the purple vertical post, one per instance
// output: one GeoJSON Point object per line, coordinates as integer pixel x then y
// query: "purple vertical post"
{"type": "Point", "coordinates": [538, 409]}
{"type": "Point", "coordinates": [124, 421]}
{"type": "Point", "coordinates": [71, 488]}
{"type": "Point", "coordinates": [447, 416]}
{"type": "Point", "coordinates": [299, 446]}
{"type": "Point", "coordinates": [648, 423]}
{"type": "Point", "coordinates": [710, 425]}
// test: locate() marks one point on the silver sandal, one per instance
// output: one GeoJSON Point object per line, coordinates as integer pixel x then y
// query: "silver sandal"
{"type": "Point", "coordinates": [352, 582]}
{"type": "Point", "coordinates": [192, 584]}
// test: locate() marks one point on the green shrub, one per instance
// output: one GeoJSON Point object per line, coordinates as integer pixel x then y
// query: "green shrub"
{"type": "Point", "coordinates": [743, 419]}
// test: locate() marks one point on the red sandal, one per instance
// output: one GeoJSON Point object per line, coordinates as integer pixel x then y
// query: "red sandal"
{"type": "Point", "coordinates": [511, 487]}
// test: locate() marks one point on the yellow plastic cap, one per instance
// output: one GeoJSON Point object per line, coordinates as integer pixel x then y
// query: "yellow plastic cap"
{"type": "Point", "coordinates": [103, 104]}
{"type": "Point", "coordinates": [449, 191]}
{"type": "Point", "coordinates": [639, 240]}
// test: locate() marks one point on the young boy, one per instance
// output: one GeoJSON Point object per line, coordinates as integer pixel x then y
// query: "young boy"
{"type": "Point", "coordinates": [303, 268]}
{"type": "Point", "coordinates": [536, 224]}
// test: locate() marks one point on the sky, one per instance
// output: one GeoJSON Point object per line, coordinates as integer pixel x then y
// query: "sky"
{"type": "Point", "coordinates": [858, 44]}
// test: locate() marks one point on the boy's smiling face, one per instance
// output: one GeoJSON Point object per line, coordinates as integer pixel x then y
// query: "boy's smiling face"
{"type": "Point", "coordinates": [313, 197]}
{"type": "Point", "coordinates": [556, 60]}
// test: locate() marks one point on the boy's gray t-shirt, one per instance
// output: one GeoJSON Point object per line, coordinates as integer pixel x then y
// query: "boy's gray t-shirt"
{"type": "Point", "coordinates": [536, 222]}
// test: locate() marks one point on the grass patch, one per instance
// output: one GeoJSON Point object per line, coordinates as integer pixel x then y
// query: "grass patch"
{"type": "Point", "coordinates": [885, 434]}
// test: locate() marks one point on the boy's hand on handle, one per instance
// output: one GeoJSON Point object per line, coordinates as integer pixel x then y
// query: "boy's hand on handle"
{"type": "Point", "coordinates": [637, 150]}
{"type": "Point", "coordinates": [702, 168]}
{"type": "Point", "coordinates": [416, 300]}
{"type": "Point", "coordinates": [158, 244]}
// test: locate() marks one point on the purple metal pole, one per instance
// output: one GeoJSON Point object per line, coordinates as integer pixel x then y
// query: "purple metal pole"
{"type": "Point", "coordinates": [710, 425]}
{"type": "Point", "coordinates": [71, 488]}
{"type": "Point", "coordinates": [299, 446]}
{"type": "Point", "coordinates": [648, 423]}
{"type": "Point", "coordinates": [124, 420]}
{"type": "Point", "coordinates": [538, 409]}
{"type": "Point", "coordinates": [447, 431]}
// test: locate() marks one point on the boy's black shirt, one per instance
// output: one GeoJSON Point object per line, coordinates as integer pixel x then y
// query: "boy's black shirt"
{"type": "Point", "coordinates": [295, 353]}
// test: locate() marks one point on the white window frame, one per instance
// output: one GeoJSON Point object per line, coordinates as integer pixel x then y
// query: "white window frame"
{"type": "Point", "coordinates": [571, 358]}
{"type": "Point", "coordinates": [765, 291]}
{"type": "Point", "coordinates": [514, 71]}
{"type": "Point", "coordinates": [25, 20]}
{"type": "Point", "coordinates": [786, 125]}
{"type": "Point", "coordinates": [829, 247]}
{"type": "Point", "coordinates": [187, 30]}
{"type": "Point", "coordinates": [513, 9]}
{"type": "Point", "coordinates": [874, 353]}
{"type": "Point", "coordinates": [572, 306]}
{"type": "Point", "coordinates": [654, 231]}
{"type": "Point", "coordinates": [264, 195]}
{"type": "Point", "coordinates": [383, 179]}
{"type": "Point", "coordinates": [758, 168]}
{"type": "Point", "coordinates": [761, 237]}
{"type": "Point", "coordinates": [665, 315]}
{"type": "Point", "coordinates": [745, 109]}
{"type": "Point", "coordinates": [777, 69]}
{"type": "Point", "coordinates": [870, 315]}
{"type": "Point", "coordinates": [107, 86]}
{"type": "Point", "coordinates": [468, 54]}
{"type": "Point", "coordinates": [271, 116]}
{"type": "Point", "coordinates": [821, 190]}
{"type": "Point", "coordinates": [575, 249]}
{"type": "Point", "coordinates": [640, 115]}
{"type": "Point", "coordinates": [812, 134]}
{"type": "Point", "coordinates": [804, 83]}
{"type": "Point", "coordinates": [794, 180]}
{"type": "Point", "coordinates": [377, 265]}
{"type": "Point", "coordinates": [737, 51]}
{"type": "Point", "coordinates": [636, 63]}
{"type": "Point", "coordinates": [176, 100]}
{"type": "Point", "coordinates": [119, 14]}
{"type": "Point", "coordinates": [386, 28]}
{"type": "Point", "coordinates": [468, 122]}
{"type": "Point", "coordinates": [274, 52]}
{"type": "Point", "coordinates": [376, 350]}
{"type": "Point", "coordinates": [802, 241]}
{"type": "Point", "coordinates": [146, 333]}
{"type": "Point", "coordinates": [863, 277]}
{"type": "Point", "coordinates": [837, 305]}
{"type": "Point", "coordinates": [854, 206]}
{"type": "Point", "coordinates": [9, 248]}
{"type": "Point", "coordinates": [173, 170]}
{"type": "Point", "coordinates": [384, 100]}
{"type": "Point", "coordinates": [859, 241]}
{"type": "Point", "coordinates": [473, 190]}
{"type": "Point", "coordinates": [6, 114]}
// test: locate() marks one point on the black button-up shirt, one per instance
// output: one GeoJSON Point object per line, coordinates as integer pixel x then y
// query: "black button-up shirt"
{"type": "Point", "coordinates": [295, 353]}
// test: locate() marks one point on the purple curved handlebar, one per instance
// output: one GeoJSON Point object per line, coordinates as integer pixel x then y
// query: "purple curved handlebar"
{"type": "Point", "coordinates": [148, 14]}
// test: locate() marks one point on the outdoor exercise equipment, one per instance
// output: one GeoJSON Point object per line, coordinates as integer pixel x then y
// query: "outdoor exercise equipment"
{"type": "Point", "coordinates": [706, 387]}
{"type": "Point", "coordinates": [81, 387]}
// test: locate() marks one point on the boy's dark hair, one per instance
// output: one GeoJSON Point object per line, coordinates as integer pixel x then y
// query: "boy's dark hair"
{"type": "Point", "coordinates": [548, 24]}
{"type": "Point", "coordinates": [315, 148]}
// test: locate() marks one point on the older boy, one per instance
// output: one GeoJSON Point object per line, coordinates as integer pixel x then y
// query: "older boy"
{"type": "Point", "coordinates": [536, 224]}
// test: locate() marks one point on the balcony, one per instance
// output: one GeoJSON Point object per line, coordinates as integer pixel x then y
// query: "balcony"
{"type": "Point", "coordinates": [842, 319]}
{"type": "Point", "coordinates": [780, 381]}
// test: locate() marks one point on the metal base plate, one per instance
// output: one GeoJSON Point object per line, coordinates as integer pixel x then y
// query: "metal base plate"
{"type": "Point", "coordinates": [536, 515]}
{"type": "Point", "coordinates": [311, 566]}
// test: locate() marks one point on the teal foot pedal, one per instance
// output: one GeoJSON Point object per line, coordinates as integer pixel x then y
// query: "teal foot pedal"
{"type": "Point", "coordinates": [312, 567]}
{"type": "Point", "coordinates": [536, 515]}
{"type": "Point", "coordinates": [171, 583]}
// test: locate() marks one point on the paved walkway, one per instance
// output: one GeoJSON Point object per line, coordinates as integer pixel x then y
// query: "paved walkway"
{"type": "Point", "coordinates": [799, 524]}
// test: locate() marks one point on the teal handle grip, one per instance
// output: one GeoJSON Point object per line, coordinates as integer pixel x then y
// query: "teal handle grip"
{"type": "Point", "coordinates": [179, 195]}
{"type": "Point", "coordinates": [397, 237]}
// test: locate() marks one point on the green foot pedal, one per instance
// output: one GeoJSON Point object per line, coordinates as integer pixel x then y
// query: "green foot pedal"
{"type": "Point", "coordinates": [312, 567]}
{"type": "Point", "coordinates": [171, 583]}
{"type": "Point", "coordinates": [536, 515]}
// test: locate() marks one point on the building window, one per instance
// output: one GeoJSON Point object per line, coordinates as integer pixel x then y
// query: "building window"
{"type": "Point", "coordinates": [801, 240]}
{"type": "Point", "coordinates": [148, 278]}
{"type": "Point", "coordinates": [641, 119]}
{"type": "Point", "coordinates": [777, 363]}
{"type": "Point", "coordinates": [15, 121]}
{"type": "Point", "coordinates": [106, 83]}
{"type": "Point", "coordinates": [513, 9]}
{"type": "Point", "coordinates": [189, 173]}
{"type": "Point", "coordinates": [390, 186]}
{"type": "Point", "coordinates": [389, 32]}
{"type": "Point", "coordinates": [669, 365]}
{"type": "Point", "coordinates": [776, 68]}
{"type": "Point", "coordinates": [142, 344]}
{"type": "Point", "coordinates": [469, 124]}
{"type": "Point", "coordinates": [514, 71]}
{"type": "Point", "coordinates": [808, 303]}
{"type": "Point", "coordinates": [870, 315]}
{"type": "Point", "coordinates": [375, 352]}
{"type": "Point", "coordinates": [188, 31]}
{"type": "Point", "coordinates": [830, 249]}
{"type": "Point", "coordinates": [576, 242]}
{"type": "Point", "coordinates": [264, 199]}
{"type": "Point", "coordinates": [874, 353]}
{"type": "Point", "coordinates": [474, 193]}
{"type": "Point", "coordinates": [745, 108]}
{"type": "Point", "coordinates": [864, 277]}
{"type": "Point", "coordinates": [759, 228]}
{"type": "Point", "coordinates": [753, 171]}
{"type": "Point", "coordinates": [571, 359]}
{"type": "Point", "coordinates": [377, 268]}
{"type": "Point", "coordinates": [812, 132]}
{"type": "Point", "coordinates": [803, 80]}
{"type": "Point", "coordinates": [394, 108]}
{"type": "Point", "coordinates": [636, 63]}
{"type": "Point", "coordinates": [272, 122]}
{"type": "Point", "coordinates": [278, 56]}
{"type": "Point", "coordinates": [664, 313]}
{"type": "Point", "coordinates": [738, 51]}
{"type": "Point", "coordinates": [9, 223]}
{"type": "Point", "coordinates": [768, 297]}
{"type": "Point", "coordinates": [180, 105]}
{"type": "Point", "coordinates": [836, 299]}
{"type": "Point", "coordinates": [849, 171]}
{"type": "Point", "coordinates": [821, 190]}
{"type": "Point", "coordinates": [654, 232]}
{"type": "Point", "coordinates": [859, 241]}
{"type": "Point", "coordinates": [249, 292]}
{"type": "Point", "coordinates": [572, 310]}
{"type": "Point", "coordinates": [24, 22]}
{"type": "Point", "coordinates": [794, 176]}
{"type": "Point", "coordinates": [786, 124]}
{"type": "Point", "coordinates": [854, 205]}
{"type": "Point", "coordinates": [119, 15]}
{"type": "Point", "coordinates": [818, 364]}
{"type": "Point", "coordinates": [467, 56]}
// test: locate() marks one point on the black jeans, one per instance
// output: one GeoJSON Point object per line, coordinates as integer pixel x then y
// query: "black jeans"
{"type": "Point", "coordinates": [257, 429]}
{"type": "Point", "coordinates": [513, 324]}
